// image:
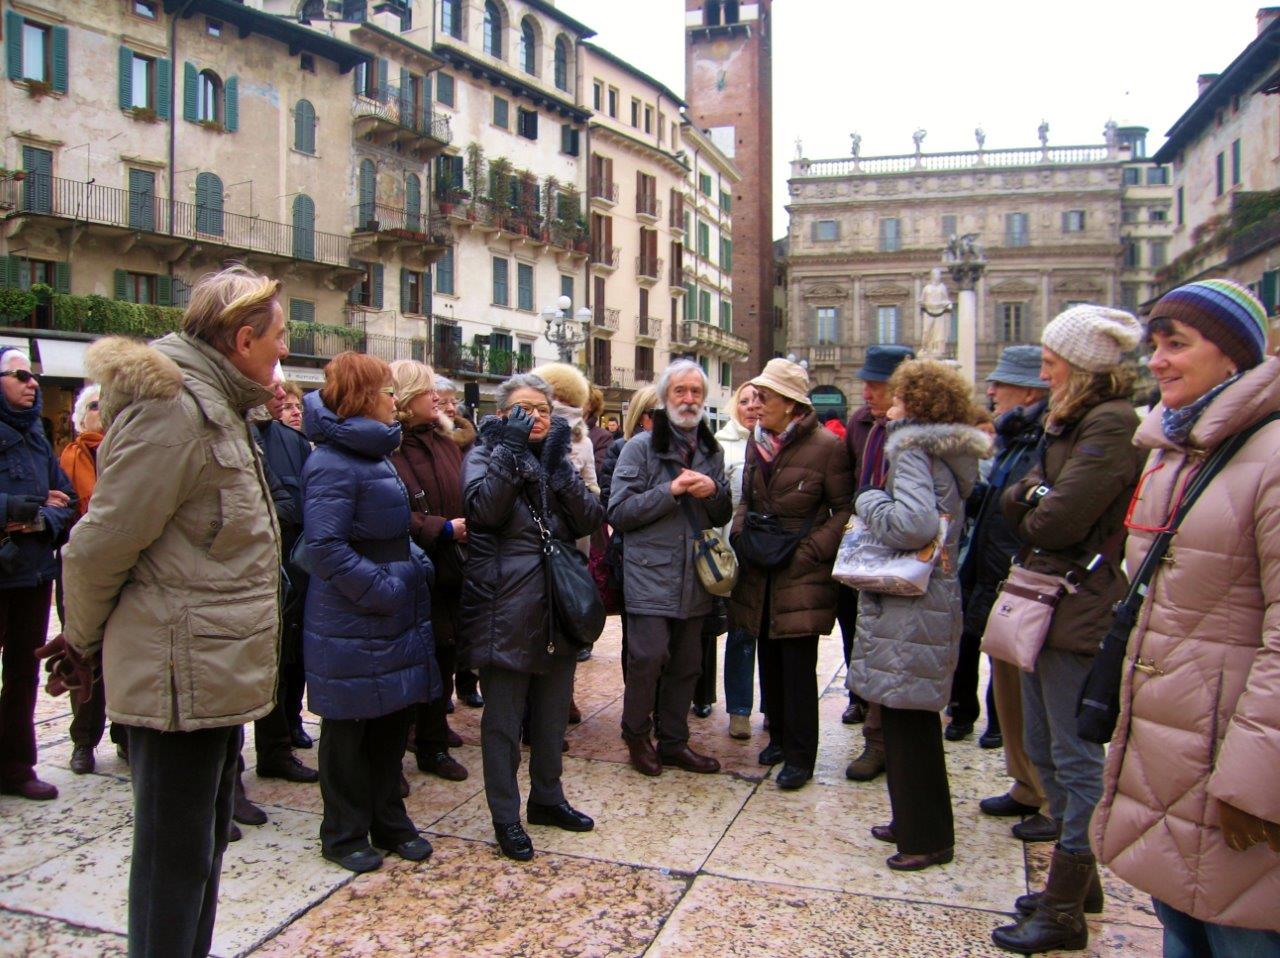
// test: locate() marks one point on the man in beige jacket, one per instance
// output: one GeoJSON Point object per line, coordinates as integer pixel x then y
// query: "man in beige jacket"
{"type": "Point", "coordinates": [172, 584]}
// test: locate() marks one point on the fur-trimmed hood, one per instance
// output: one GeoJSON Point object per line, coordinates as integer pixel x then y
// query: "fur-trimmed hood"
{"type": "Point", "coordinates": [129, 371]}
{"type": "Point", "coordinates": [959, 446]}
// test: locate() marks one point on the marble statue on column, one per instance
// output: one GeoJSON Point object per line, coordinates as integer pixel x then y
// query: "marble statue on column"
{"type": "Point", "coordinates": [855, 145]}
{"type": "Point", "coordinates": [935, 310]}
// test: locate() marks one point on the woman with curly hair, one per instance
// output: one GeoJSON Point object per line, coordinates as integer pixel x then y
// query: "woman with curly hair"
{"type": "Point", "coordinates": [905, 648]}
{"type": "Point", "coordinates": [1068, 511]}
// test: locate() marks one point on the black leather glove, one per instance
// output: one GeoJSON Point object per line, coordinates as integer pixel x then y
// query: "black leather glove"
{"type": "Point", "coordinates": [24, 508]}
{"type": "Point", "coordinates": [515, 436]}
{"type": "Point", "coordinates": [555, 448]}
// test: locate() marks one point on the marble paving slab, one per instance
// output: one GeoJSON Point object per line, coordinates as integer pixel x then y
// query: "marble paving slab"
{"type": "Point", "coordinates": [469, 901]}
{"type": "Point", "coordinates": [1122, 902]}
{"type": "Point", "coordinates": [32, 937]}
{"type": "Point", "coordinates": [87, 806]}
{"type": "Point", "coordinates": [818, 837]}
{"type": "Point", "coordinates": [106, 761]}
{"type": "Point", "coordinates": [672, 821]}
{"type": "Point", "coordinates": [268, 878]}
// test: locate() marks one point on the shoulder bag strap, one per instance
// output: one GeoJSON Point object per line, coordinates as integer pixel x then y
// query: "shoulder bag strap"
{"type": "Point", "coordinates": [417, 495]}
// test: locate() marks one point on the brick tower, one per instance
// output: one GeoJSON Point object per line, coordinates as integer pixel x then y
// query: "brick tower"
{"type": "Point", "coordinates": [729, 88]}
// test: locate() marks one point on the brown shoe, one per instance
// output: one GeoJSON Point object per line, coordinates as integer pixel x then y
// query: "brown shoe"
{"type": "Point", "coordinates": [443, 765]}
{"type": "Point", "coordinates": [867, 766]}
{"type": "Point", "coordinates": [902, 862]}
{"type": "Point", "coordinates": [689, 760]}
{"type": "Point", "coordinates": [644, 757]}
{"type": "Point", "coordinates": [31, 789]}
{"type": "Point", "coordinates": [884, 833]}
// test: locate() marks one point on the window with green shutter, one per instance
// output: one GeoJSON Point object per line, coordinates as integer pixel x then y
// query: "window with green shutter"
{"type": "Point", "coordinates": [62, 277]}
{"type": "Point", "coordinates": [231, 105]}
{"type": "Point", "coordinates": [413, 203]}
{"type": "Point", "coordinates": [304, 227]}
{"type": "Point", "coordinates": [367, 192]}
{"type": "Point", "coordinates": [726, 201]}
{"type": "Point", "coordinates": [524, 286]}
{"type": "Point", "coordinates": [444, 272]}
{"type": "Point", "coordinates": [704, 306]}
{"type": "Point", "coordinates": [704, 184]}
{"type": "Point", "coordinates": [726, 254]}
{"type": "Point", "coordinates": [304, 127]}
{"type": "Point", "coordinates": [302, 311]}
{"type": "Point", "coordinates": [37, 188]}
{"type": "Point", "coordinates": [209, 204]}
{"type": "Point", "coordinates": [704, 240]}
{"type": "Point", "coordinates": [375, 298]}
{"type": "Point", "coordinates": [501, 296]}
{"type": "Point", "coordinates": [726, 315]}
{"type": "Point", "coordinates": [445, 89]}
{"type": "Point", "coordinates": [690, 301]}
{"type": "Point", "coordinates": [142, 200]}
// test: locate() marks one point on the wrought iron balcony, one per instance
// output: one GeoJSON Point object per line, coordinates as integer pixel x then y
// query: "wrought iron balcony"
{"type": "Point", "coordinates": [647, 327]}
{"type": "Point", "coordinates": [648, 208]}
{"type": "Point", "coordinates": [605, 257]}
{"type": "Point", "coordinates": [392, 117]}
{"type": "Point", "coordinates": [602, 191]}
{"type": "Point", "coordinates": [711, 338]}
{"type": "Point", "coordinates": [648, 269]}
{"type": "Point", "coordinates": [606, 317]}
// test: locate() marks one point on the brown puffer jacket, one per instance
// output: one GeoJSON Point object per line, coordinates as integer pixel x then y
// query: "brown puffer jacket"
{"type": "Point", "coordinates": [1200, 704]}
{"type": "Point", "coordinates": [1092, 467]}
{"type": "Point", "coordinates": [810, 477]}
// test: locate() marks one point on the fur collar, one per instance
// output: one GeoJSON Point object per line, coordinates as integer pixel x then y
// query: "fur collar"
{"type": "Point", "coordinates": [944, 440]}
{"type": "Point", "coordinates": [130, 371]}
{"type": "Point", "coordinates": [662, 434]}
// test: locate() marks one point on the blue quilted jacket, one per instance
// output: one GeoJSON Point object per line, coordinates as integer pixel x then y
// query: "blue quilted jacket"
{"type": "Point", "coordinates": [368, 649]}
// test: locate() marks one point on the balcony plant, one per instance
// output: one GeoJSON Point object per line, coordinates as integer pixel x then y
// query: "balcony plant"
{"type": "Point", "coordinates": [475, 170]}
{"type": "Point", "coordinates": [145, 114]}
{"type": "Point", "coordinates": [528, 215]}
{"type": "Point", "coordinates": [38, 88]}
{"type": "Point", "coordinates": [213, 125]}
{"type": "Point", "coordinates": [15, 304]}
{"type": "Point", "coordinates": [499, 195]}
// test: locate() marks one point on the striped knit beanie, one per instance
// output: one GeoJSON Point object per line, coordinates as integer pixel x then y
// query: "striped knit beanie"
{"type": "Point", "coordinates": [1223, 312]}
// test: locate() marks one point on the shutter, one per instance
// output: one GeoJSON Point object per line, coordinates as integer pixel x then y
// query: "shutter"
{"type": "Point", "coordinates": [231, 105]}
{"type": "Point", "coordinates": [59, 35]}
{"type": "Point", "coordinates": [164, 290]}
{"type": "Point", "coordinates": [189, 81]}
{"type": "Point", "coordinates": [1066, 222]}
{"type": "Point", "coordinates": [404, 290]}
{"type": "Point", "coordinates": [406, 101]}
{"type": "Point", "coordinates": [375, 300]}
{"type": "Point", "coordinates": [121, 280]}
{"type": "Point", "coordinates": [412, 203]}
{"type": "Point", "coordinates": [164, 88]}
{"type": "Point", "coordinates": [13, 43]}
{"type": "Point", "coordinates": [12, 271]}
{"type": "Point", "coordinates": [358, 73]}
{"type": "Point", "coordinates": [1268, 296]}
{"type": "Point", "coordinates": [126, 78]}
{"type": "Point", "coordinates": [383, 68]}
{"type": "Point", "coordinates": [62, 277]}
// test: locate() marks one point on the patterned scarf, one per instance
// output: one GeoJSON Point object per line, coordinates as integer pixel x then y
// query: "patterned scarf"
{"type": "Point", "coordinates": [873, 471]}
{"type": "Point", "coordinates": [684, 442]}
{"type": "Point", "coordinates": [1178, 423]}
{"type": "Point", "coordinates": [770, 443]}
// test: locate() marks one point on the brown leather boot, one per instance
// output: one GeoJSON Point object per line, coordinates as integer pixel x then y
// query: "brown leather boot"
{"type": "Point", "coordinates": [644, 757]}
{"type": "Point", "coordinates": [867, 766]}
{"type": "Point", "coordinates": [1058, 922]}
{"type": "Point", "coordinates": [1093, 898]}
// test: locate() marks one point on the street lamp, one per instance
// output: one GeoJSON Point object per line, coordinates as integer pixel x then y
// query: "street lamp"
{"type": "Point", "coordinates": [562, 332]}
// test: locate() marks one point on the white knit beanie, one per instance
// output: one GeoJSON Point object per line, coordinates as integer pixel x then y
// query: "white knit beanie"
{"type": "Point", "coordinates": [1092, 337]}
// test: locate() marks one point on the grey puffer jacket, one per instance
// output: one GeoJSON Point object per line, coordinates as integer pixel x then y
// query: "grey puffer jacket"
{"type": "Point", "coordinates": [905, 649]}
{"type": "Point", "coordinates": [658, 573]}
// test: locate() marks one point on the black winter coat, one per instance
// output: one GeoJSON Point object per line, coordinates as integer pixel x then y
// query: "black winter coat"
{"type": "Point", "coordinates": [994, 542]}
{"type": "Point", "coordinates": [503, 618]}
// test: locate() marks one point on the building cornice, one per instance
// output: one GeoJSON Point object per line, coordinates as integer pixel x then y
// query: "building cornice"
{"type": "Point", "coordinates": [500, 77]}
{"type": "Point", "coordinates": [289, 32]}
{"type": "Point", "coordinates": [997, 256]}
{"type": "Point", "coordinates": [609, 134]}
{"type": "Point", "coordinates": [634, 71]}
{"type": "Point", "coordinates": [385, 41]}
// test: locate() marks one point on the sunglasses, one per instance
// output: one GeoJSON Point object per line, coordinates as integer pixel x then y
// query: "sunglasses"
{"type": "Point", "coordinates": [93, 406]}
{"type": "Point", "coordinates": [21, 375]}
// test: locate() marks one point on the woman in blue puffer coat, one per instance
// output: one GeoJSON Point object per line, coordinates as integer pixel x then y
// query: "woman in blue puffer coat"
{"type": "Point", "coordinates": [367, 640]}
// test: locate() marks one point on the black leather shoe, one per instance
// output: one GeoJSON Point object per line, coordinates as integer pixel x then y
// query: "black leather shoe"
{"type": "Point", "coordinates": [903, 862]}
{"type": "Point", "coordinates": [514, 841]}
{"type": "Point", "coordinates": [247, 813]}
{"type": "Point", "coordinates": [771, 754]}
{"type": "Point", "coordinates": [855, 713]}
{"type": "Point", "coordinates": [289, 768]}
{"type": "Point", "coordinates": [82, 761]}
{"type": "Point", "coordinates": [453, 738]}
{"type": "Point", "coordinates": [584, 654]}
{"type": "Point", "coordinates": [233, 832]}
{"type": "Point", "coordinates": [359, 861]}
{"type": "Point", "coordinates": [1005, 806]}
{"type": "Point", "coordinates": [884, 833]}
{"type": "Point", "coordinates": [702, 711]}
{"type": "Point", "coordinates": [958, 731]}
{"type": "Point", "coordinates": [793, 776]}
{"type": "Point", "coordinates": [299, 737]}
{"type": "Point", "coordinates": [991, 738]}
{"type": "Point", "coordinates": [443, 765]}
{"type": "Point", "coordinates": [1038, 828]}
{"type": "Point", "coordinates": [563, 816]}
{"type": "Point", "coordinates": [473, 700]}
{"type": "Point", "coordinates": [415, 850]}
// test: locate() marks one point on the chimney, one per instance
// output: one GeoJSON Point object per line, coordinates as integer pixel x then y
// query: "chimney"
{"type": "Point", "coordinates": [1266, 17]}
{"type": "Point", "coordinates": [1203, 82]}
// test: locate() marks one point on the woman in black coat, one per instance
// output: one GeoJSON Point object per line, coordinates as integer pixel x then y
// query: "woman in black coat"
{"type": "Point", "coordinates": [518, 472]}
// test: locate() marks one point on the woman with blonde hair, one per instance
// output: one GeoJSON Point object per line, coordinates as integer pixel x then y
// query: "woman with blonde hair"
{"type": "Point", "coordinates": [429, 464]}
{"type": "Point", "coordinates": [1068, 511]}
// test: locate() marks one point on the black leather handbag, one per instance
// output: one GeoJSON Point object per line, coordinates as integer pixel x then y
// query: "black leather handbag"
{"type": "Point", "coordinates": [763, 541]}
{"type": "Point", "coordinates": [576, 610]}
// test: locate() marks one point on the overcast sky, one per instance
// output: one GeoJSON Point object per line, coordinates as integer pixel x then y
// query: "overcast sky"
{"type": "Point", "coordinates": [883, 69]}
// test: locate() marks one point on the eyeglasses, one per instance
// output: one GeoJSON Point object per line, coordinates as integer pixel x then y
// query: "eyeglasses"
{"type": "Point", "coordinates": [93, 406]}
{"type": "Point", "coordinates": [21, 375]}
{"type": "Point", "coordinates": [533, 409]}
{"type": "Point", "coordinates": [1179, 493]}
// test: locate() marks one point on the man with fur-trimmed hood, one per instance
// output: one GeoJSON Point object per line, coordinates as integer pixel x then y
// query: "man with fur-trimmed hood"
{"type": "Point", "coordinates": [669, 485]}
{"type": "Point", "coordinates": [173, 586]}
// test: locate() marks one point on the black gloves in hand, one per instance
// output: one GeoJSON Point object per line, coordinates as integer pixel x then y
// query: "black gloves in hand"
{"type": "Point", "coordinates": [555, 448]}
{"type": "Point", "coordinates": [24, 508]}
{"type": "Point", "coordinates": [516, 434]}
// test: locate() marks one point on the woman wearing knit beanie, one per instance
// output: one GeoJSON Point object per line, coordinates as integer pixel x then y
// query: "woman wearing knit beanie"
{"type": "Point", "coordinates": [1191, 806]}
{"type": "Point", "coordinates": [1069, 512]}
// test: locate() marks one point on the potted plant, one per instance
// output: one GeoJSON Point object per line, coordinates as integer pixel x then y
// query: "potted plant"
{"type": "Point", "coordinates": [144, 113]}
{"type": "Point", "coordinates": [500, 183]}
{"type": "Point", "coordinates": [15, 304]}
{"type": "Point", "coordinates": [475, 170]}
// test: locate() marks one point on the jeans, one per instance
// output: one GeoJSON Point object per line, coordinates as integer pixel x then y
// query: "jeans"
{"type": "Point", "coordinates": [1070, 768]}
{"type": "Point", "coordinates": [1187, 937]}
{"type": "Point", "coordinates": [739, 671]}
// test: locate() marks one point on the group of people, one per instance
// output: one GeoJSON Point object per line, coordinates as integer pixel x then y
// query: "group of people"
{"type": "Point", "coordinates": [404, 550]}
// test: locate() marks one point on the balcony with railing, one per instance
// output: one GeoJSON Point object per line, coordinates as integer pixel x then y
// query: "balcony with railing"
{"type": "Point", "coordinates": [676, 277]}
{"type": "Point", "coordinates": [648, 330]}
{"type": "Point", "coordinates": [318, 341]}
{"type": "Point", "coordinates": [606, 319]}
{"type": "Point", "coordinates": [601, 192]}
{"type": "Point", "coordinates": [675, 222]}
{"type": "Point", "coordinates": [648, 208]}
{"type": "Point", "coordinates": [393, 118]}
{"type": "Point", "coordinates": [480, 360]}
{"type": "Point", "coordinates": [605, 258]}
{"type": "Point", "coordinates": [957, 160]}
{"type": "Point", "coordinates": [648, 269]}
{"type": "Point", "coordinates": [391, 348]}
{"type": "Point", "coordinates": [712, 339]}
{"type": "Point", "coordinates": [379, 229]}
{"type": "Point", "coordinates": [165, 224]}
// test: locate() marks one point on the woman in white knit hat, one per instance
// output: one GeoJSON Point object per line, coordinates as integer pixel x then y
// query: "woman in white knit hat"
{"type": "Point", "coordinates": [1069, 512]}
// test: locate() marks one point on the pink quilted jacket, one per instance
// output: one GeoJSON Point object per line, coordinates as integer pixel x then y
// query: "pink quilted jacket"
{"type": "Point", "coordinates": [1200, 717]}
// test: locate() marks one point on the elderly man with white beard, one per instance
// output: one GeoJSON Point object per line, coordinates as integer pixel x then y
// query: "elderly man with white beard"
{"type": "Point", "coordinates": [669, 485]}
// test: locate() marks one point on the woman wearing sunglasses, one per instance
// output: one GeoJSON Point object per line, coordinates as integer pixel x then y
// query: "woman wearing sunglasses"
{"type": "Point", "coordinates": [1191, 807]}
{"type": "Point", "coordinates": [1069, 514]}
{"type": "Point", "coordinates": [35, 507]}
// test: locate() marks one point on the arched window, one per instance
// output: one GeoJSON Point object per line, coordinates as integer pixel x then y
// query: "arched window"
{"type": "Point", "coordinates": [304, 127]}
{"type": "Point", "coordinates": [311, 10]}
{"type": "Point", "coordinates": [730, 11]}
{"type": "Point", "coordinates": [529, 46]}
{"type": "Point", "coordinates": [492, 29]}
{"type": "Point", "coordinates": [304, 227]}
{"type": "Point", "coordinates": [562, 63]}
{"type": "Point", "coordinates": [208, 97]}
{"type": "Point", "coordinates": [368, 195]}
{"type": "Point", "coordinates": [413, 203]}
{"type": "Point", "coordinates": [209, 204]}
{"type": "Point", "coordinates": [451, 18]}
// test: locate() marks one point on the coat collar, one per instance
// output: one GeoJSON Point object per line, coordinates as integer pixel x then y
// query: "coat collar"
{"type": "Point", "coordinates": [662, 435]}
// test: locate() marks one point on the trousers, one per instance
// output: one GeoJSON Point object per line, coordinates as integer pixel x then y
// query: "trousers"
{"type": "Point", "coordinates": [1187, 937]}
{"type": "Point", "coordinates": [916, 769]}
{"type": "Point", "coordinates": [1006, 683]}
{"type": "Point", "coordinates": [789, 688]}
{"type": "Point", "coordinates": [431, 719]}
{"type": "Point", "coordinates": [360, 783]}
{"type": "Point", "coordinates": [739, 671]}
{"type": "Point", "coordinates": [664, 659]}
{"type": "Point", "coordinates": [24, 624]}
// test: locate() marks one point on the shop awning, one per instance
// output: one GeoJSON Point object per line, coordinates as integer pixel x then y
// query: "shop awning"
{"type": "Point", "coordinates": [62, 358]}
{"type": "Point", "coordinates": [17, 342]}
